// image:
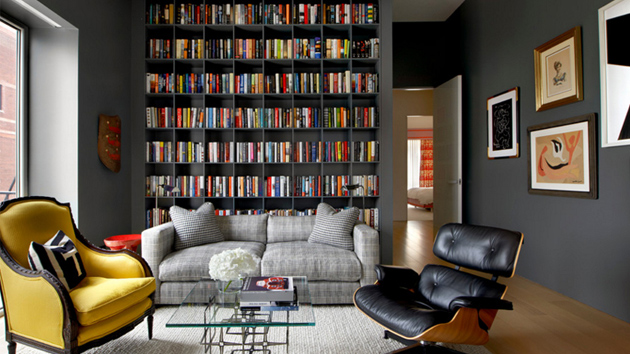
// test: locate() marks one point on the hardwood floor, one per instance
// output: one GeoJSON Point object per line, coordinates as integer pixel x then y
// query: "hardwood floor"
{"type": "Point", "coordinates": [542, 322]}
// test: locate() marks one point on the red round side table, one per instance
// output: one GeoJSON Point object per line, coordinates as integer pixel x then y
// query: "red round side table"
{"type": "Point", "coordinates": [118, 242]}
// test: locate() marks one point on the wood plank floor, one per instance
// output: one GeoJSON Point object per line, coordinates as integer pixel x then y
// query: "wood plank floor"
{"type": "Point", "coordinates": [542, 322]}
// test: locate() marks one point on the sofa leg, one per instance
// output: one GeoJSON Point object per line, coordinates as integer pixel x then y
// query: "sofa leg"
{"type": "Point", "coordinates": [150, 326]}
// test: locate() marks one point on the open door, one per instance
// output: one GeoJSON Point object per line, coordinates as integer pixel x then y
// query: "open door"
{"type": "Point", "coordinates": [447, 153]}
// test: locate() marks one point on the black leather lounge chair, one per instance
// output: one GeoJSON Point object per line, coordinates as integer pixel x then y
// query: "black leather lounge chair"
{"type": "Point", "coordinates": [444, 304]}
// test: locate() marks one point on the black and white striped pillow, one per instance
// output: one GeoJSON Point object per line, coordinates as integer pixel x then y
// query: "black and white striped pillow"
{"type": "Point", "coordinates": [194, 228]}
{"type": "Point", "coordinates": [334, 228]}
{"type": "Point", "coordinates": [60, 257]}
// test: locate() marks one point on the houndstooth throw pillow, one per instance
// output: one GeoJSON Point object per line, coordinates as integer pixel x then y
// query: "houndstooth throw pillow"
{"type": "Point", "coordinates": [196, 227]}
{"type": "Point", "coordinates": [334, 228]}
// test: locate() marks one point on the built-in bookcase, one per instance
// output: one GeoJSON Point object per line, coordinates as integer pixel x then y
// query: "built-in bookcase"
{"type": "Point", "coordinates": [266, 106]}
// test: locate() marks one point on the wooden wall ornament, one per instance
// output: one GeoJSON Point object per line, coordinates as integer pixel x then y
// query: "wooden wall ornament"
{"type": "Point", "coordinates": [109, 141]}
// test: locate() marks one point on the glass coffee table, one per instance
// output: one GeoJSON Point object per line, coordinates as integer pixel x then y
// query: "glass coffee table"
{"type": "Point", "coordinates": [225, 325]}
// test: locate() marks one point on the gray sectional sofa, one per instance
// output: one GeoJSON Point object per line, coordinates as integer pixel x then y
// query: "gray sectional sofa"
{"type": "Point", "coordinates": [282, 244]}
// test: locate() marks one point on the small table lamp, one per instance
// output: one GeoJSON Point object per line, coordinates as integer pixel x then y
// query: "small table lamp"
{"type": "Point", "coordinates": [167, 188]}
{"type": "Point", "coordinates": [352, 187]}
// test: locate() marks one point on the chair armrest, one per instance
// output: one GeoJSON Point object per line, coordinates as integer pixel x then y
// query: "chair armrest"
{"type": "Point", "coordinates": [392, 276]}
{"type": "Point", "coordinates": [480, 303]}
{"type": "Point", "coordinates": [367, 249]}
{"type": "Point", "coordinates": [157, 243]}
{"type": "Point", "coordinates": [36, 304]}
{"type": "Point", "coordinates": [120, 264]}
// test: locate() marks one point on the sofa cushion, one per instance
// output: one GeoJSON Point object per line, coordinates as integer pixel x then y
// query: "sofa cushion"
{"type": "Point", "coordinates": [315, 261]}
{"type": "Point", "coordinates": [251, 228]}
{"type": "Point", "coordinates": [60, 257]}
{"type": "Point", "coordinates": [191, 264]}
{"type": "Point", "coordinates": [97, 298]}
{"type": "Point", "coordinates": [194, 228]}
{"type": "Point", "coordinates": [334, 228]}
{"type": "Point", "coordinates": [289, 228]}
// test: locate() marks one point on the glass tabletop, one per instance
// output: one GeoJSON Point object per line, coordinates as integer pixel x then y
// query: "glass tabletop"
{"type": "Point", "coordinates": [205, 306]}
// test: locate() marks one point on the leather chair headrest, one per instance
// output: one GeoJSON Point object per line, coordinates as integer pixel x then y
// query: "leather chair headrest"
{"type": "Point", "coordinates": [482, 248]}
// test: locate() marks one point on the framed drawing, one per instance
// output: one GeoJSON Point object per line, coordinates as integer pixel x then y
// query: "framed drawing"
{"type": "Point", "coordinates": [558, 69]}
{"type": "Point", "coordinates": [563, 158]}
{"type": "Point", "coordinates": [614, 26]}
{"type": "Point", "coordinates": [503, 125]}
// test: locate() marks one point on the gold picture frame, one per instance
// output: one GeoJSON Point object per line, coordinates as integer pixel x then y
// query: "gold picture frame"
{"type": "Point", "coordinates": [558, 66]}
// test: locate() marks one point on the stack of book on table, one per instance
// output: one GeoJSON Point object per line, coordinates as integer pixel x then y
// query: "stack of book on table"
{"type": "Point", "coordinates": [268, 293]}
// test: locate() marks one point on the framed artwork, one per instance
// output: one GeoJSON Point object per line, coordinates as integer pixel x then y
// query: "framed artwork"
{"type": "Point", "coordinates": [558, 67]}
{"type": "Point", "coordinates": [563, 158]}
{"type": "Point", "coordinates": [614, 26]}
{"type": "Point", "coordinates": [503, 125]}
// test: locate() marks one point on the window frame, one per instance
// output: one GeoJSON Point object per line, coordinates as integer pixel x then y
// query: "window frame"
{"type": "Point", "coordinates": [21, 104]}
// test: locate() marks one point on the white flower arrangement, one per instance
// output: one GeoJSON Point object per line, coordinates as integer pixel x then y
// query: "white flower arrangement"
{"type": "Point", "coordinates": [232, 265]}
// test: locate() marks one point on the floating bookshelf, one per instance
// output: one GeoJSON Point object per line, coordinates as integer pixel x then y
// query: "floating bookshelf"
{"type": "Point", "coordinates": [258, 107]}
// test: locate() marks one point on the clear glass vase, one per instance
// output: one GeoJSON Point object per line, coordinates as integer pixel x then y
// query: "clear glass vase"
{"type": "Point", "coordinates": [230, 286]}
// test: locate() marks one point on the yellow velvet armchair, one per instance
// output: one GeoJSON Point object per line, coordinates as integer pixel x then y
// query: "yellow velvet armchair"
{"type": "Point", "coordinates": [115, 296]}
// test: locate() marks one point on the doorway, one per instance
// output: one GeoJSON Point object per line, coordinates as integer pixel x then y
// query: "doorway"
{"type": "Point", "coordinates": [420, 168]}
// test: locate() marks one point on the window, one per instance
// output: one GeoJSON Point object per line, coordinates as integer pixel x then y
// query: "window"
{"type": "Point", "coordinates": [11, 109]}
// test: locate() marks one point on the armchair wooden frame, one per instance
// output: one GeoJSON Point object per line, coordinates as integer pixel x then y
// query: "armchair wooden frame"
{"type": "Point", "coordinates": [70, 322]}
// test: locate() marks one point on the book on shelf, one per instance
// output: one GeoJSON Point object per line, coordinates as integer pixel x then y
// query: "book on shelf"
{"type": "Point", "coordinates": [268, 288]}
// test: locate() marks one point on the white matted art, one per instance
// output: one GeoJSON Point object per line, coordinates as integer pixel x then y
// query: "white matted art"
{"type": "Point", "coordinates": [614, 35]}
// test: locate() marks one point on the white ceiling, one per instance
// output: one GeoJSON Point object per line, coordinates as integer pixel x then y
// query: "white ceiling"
{"type": "Point", "coordinates": [424, 10]}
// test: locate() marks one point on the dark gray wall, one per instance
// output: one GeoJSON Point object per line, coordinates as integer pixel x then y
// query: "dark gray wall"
{"type": "Point", "coordinates": [574, 246]}
{"type": "Point", "coordinates": [103, 85]}
{"type": "Point", "coordinates": [432, 55]}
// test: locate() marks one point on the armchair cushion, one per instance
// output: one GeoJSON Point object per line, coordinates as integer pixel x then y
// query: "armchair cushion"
{"type": "Point", "coordinates": [334, 228]}
{"type": "Point", "coordinates": [194, 228]}
{"type": "Point", "coordinates": [316, 261]}
{"type": "Point", "coordinates": [60, 257]}
{"type": "Point", "coordinates": [96, 298]}
{"type": "Point", "coordinates": [399, 310]}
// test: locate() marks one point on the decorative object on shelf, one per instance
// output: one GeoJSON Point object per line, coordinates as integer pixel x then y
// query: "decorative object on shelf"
{"type": "Point", "coordinates": [503, 124]}
{"type": "Point", "coordinates": [563, 158]}
{"type": "Point", "coordinates": [109, 141]}
{"type": "Point", "coordinates": [558, 70]}
{"type": "Point", "coordinates": [230, 267]}
{"type": "Point", "coordinates": [119, 242]}
{"type": "Point", "coordinates": [614, 61]}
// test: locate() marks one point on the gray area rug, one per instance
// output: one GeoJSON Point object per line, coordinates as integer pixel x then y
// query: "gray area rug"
{"type": "Point", "coordinates": [339, 330]}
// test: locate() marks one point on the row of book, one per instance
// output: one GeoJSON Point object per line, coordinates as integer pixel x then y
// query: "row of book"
{"type": "Point", "coordinates": [259, 13]}
{"type": "Point", "coordinates": [189, 49]}
{"type": "Point", "coordinates": [189, 151]}
{"type": "Point", "coordinates": [158, 216]}
{"type": "Point", "coordinates": [250, 117]}
{"type": "Point", "coordinates": [226, 48]}
{"type": "Point", "coordinates": [257, 186]}
{"type": "Point", "coordinates": [341, 82]}
{"type": "Point", "coordinates": [331, 185]}
{"type": "Point", "coordinates": [347, 82]}
{"type": "Point", "coordinates": [257, 152]}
